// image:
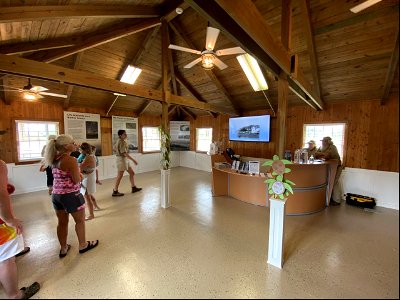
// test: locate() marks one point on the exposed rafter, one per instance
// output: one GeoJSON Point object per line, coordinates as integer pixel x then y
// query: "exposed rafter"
{"type": "Point", "coordinates": [179, 32]}
{"type": "Point", "coordinates": [172, 109]}
{"type": "Point", "coordinates": [243, 23]}
{"type": "Point", "coordinates": [145, 106]}
{"type": "Point", "coordinates": [189, 113]}
{"type": "Point", "coordinates": [308, 32]}
{"type": "Point", "coordinates": [77, 62]}
{"type": "Point", "coordinates": [30, 46]}
{"type": "Point", "coordinates": [4, 95]}
{"type": "Point", "coordinates": [34, 69]}
{"type": "Point", "coordinates": [393, 65]}
{"type": "Point", "coordinates": [43, 12]}
{"type": "Point", "coordinates": [93, 40]}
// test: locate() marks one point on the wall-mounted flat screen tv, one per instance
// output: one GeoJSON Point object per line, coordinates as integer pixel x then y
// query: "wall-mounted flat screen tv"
{"type": "Point", "coordinates": [250, 129]}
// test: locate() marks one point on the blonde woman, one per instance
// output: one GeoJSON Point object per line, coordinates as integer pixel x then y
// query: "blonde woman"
{"type": "Point", "coordinates": [88, 169]}
{"type": "Point", "coordinates": [66, 196]}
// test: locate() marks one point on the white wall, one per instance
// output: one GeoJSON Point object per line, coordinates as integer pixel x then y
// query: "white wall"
{"type": "Point", "coordinates": [383, 186]}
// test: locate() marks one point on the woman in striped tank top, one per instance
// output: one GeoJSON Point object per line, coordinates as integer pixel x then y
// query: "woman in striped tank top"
{"type": "Point", "coordinates": [66, 196]}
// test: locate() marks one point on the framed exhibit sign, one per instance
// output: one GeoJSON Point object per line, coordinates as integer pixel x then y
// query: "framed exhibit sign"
{"type": "Point", "coordinates": [180, 135]}
{"type": "Point", "coordinates": [84, 127]}
{"type": "Point", "coordinates": [130, 125]}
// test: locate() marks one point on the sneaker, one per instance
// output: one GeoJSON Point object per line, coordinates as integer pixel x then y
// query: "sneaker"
{"type": "Point", "coordinates": [136, 189]}
{"type": "Point", "coordinates": [117, 194]}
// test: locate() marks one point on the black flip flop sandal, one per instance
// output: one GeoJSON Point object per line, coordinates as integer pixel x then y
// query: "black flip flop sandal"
{"type": "Point", "coordinates": [30, 290]}
{"type": "Point", "coordinates": [89, 246]}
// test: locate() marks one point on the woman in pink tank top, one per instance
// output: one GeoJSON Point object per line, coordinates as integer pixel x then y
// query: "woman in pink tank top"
{"type": "Point", "coordinates": [66, 196]}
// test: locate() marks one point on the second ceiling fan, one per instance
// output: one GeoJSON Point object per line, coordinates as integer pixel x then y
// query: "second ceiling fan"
{"type": "Point", "coordinates": [208, 56]}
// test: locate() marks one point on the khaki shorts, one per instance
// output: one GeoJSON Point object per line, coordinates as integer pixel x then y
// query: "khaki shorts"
{"type": "Point", "coordinates": [122, 164]}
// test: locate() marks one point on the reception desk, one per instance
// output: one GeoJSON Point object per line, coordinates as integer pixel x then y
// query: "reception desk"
{"type": "Point", "coordinates": [313, 189]}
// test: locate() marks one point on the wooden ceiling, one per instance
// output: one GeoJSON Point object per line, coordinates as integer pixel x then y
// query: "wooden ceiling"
{"type": "Point", "coordinates": [342, 56]}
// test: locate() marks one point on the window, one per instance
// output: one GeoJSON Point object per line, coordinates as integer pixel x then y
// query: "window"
{"type": "Point", "coordinates": [151, 139]}
{"type": "Point", "coordinates": [32, 137]}
{"type": "Point", "coordinates": [203, 139]}
{"type": "Point", "coordinates": [318, 131]}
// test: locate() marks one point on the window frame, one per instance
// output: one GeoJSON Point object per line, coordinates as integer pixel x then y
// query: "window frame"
{"type": "Point", "coordinates": [143, 140]}
{"type": "Point", "coordinates": [345, 133]}
{"type": "Point", "coordinates": [197, 128]}
{"type": "Point", "coordinates": [16, 137]}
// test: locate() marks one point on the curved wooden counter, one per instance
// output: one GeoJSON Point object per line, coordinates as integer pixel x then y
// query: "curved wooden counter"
{"type": "Point", "coordinates": [313, 189]}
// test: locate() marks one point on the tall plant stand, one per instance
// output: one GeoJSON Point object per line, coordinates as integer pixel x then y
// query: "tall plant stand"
{"type": "Point", "coordinates": [165, 197]}
{"type": "Point", "coordinates": [276, 231]}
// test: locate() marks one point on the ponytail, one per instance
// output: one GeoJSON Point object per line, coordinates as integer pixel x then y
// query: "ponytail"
{"type": "Point", "coordinates": [50, 153]}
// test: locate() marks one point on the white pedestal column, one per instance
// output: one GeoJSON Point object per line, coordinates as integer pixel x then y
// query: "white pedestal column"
{"type": "Point", "coordinates": [276, 232]}
{"type": "Point", "coordinates": [165, 200]}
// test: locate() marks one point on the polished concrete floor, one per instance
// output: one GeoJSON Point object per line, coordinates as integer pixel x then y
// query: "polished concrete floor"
{"type": "Point", "coordinates": [205, 247]}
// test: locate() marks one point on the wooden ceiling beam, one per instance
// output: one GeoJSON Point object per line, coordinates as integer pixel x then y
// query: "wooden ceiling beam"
{"type": "Point", "coordinates": [44, 12]}
{"type": "Point", "coordinates": [4, 95]}
{"type": "Point", "coordinates": [145, 106]}
{"type": "Point", "coordinates": [308, 32]}
{"type": "Point", "coordinates": [393, 65]}
{"type": "Point", "coordinates": [171, 109]}
{"type": "Point", "coordinates": [169, 11]}
{"type": "Point", "coordinates": [145, 46]}
{"type": "Point", "coordinates": [31, 46]}
{"type": "Point", "coordinates": [190, 89]}
{"type": "Point", "coordinates": [93, 40]}
{"type": "Point", "coordinates": [243, 24]}
{"type": "Point", "coordinates": [77, 62]}
{"type": "Point", "coordinates": [33, 69]}
{"type": "Point", "coordinates": [189, 113]}
{"type": "Point", "coordinates": [210, 74]}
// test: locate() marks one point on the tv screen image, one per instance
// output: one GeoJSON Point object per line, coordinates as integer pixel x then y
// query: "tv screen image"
{"type": "Point", "coordinates": [250, 129]}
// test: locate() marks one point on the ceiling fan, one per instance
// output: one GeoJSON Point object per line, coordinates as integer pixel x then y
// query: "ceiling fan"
{"type": "Point", "coordinates": [208, 56]}
{"type": "Point", "coordinates": [363, 5]}
{"type": "Point", "coordinates": [31, 92]}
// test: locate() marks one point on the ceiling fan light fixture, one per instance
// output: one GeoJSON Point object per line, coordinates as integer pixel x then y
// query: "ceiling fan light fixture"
{"type": "Point", "coordinates": [29, 96]}
{"type": "Point", "coordinates": [253, 72]}
{"type": "Point", "coordinates": [207, 61]}
{"type": "Point", "coordinates": [131, 74]}
{"type": "Point", "coordinates": [363, 5]}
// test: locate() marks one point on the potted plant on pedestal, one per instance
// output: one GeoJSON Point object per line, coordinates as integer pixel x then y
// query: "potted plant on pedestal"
{"type": "Point", "coordinates": [278, 191]}
{"type": "Point", "coordinates": [165, 167]}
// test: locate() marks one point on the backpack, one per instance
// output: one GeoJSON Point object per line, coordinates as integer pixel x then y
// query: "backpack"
{"type": "Point", "coordinates": [360, 200]}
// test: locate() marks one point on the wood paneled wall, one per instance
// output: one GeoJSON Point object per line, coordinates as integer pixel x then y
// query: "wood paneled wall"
{"type": "Point", "coordinates": [24, 110]}
{"type": "Point", "coordinates": [372, 130]}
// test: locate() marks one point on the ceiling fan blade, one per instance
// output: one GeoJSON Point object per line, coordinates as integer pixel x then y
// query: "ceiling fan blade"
{"type": "Point", "coordinates": [38, 88]}
{"type": "Point", "coordinates": [175, 47]}
{"type": "Point", "coordinates": [212, 35]}
{"type": "Point", "coordinates": [363, 5]}
{"type": "Point", "coordinates": [9, 90]}
{"type": "Point", "coordinates": [219, 64]}
{"type": "Point", "coordinates": [228, 51]}
{"type": "Point", "coordinates": [189, 65]}
{"type": "Point", "coordinates": [52, 94]}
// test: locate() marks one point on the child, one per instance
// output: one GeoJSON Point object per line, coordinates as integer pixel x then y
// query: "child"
{"type": "Point", "coordinates": [97, 164]}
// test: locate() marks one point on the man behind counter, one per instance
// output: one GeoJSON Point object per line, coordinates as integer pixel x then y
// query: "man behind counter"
{"type": "Point", "coordinates": [329, 151]}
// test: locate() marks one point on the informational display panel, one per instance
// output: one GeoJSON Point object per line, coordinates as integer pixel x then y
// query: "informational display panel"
{"type": "Point", "coordinates": [130, 125]}
{"type": "Point", "coordinates": [84, 127]}
{"type": "Point", "coordinates": [180, 135]}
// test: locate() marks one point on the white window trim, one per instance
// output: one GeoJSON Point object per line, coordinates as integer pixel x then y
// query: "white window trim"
{"type": "Point", "coordinates": [17, 132]}
{"type": "Point", "coordinates": [197, 138]}
{"type": "Point", "coordinates": [143, 140]}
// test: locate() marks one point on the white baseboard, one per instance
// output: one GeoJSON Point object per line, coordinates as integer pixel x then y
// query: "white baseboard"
{"type": "Point", "coordinates": [383, 186]}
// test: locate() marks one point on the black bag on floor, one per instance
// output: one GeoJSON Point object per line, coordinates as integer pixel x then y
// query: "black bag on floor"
{"type": "Point", "coordinates": [360, 200]}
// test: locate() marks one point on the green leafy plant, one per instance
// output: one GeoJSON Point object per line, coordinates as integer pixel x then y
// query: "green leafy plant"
{"type": "Point", "coordinates": [278, 186]}
{"type": "Point", "coordinates": [165, 149]}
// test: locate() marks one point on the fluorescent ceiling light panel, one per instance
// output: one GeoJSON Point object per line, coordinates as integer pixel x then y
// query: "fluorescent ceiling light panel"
{"type": "Point", "coordinates": [363, 5]}
{"type": "Point", "coordinates": [253, 72]}
{"type": "Point", "coordinates": [131, 74]}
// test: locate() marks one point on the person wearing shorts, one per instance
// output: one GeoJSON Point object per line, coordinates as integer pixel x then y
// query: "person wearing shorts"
{"type": "Point", "coordinates": [66, 196]}
{"type": "Point", "coordinates": [123, 156]}
{"type": "Point", "coordinates": [11, 243]}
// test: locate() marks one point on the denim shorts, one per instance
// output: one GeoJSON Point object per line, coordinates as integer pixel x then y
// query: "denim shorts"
{"type": "Point", "coordinates": [71, 202]}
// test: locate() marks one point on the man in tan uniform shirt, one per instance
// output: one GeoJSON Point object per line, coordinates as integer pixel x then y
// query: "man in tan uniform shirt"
{"type": "Point", "coordinates": [123, 165]}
